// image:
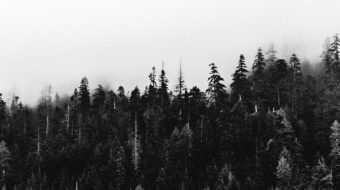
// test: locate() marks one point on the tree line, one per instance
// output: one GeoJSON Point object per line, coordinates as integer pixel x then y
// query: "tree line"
{"type": "Point", "coordinates": [276, 128]}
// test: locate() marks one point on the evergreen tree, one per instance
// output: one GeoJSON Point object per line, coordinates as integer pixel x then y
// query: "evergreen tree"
{"type": "Point", "coordinates": [297, 81]}
{"type": "Point", "coordinates": [216, 89]}
{"type": "Point", "coordinates": [240, 85]}
{"type": "Point", "coordinates": [159, 141]}
{"type": "Point", "coordinates": [327, 59]}
{"type": "Point", "coordinates": [135, 98]}
{"type": "Point", "coordinates": [152, 78]}
{"type": "Point", "coordinates": [2, 110]}
{"type": "Point", "coordinates": [44, 109]}
{"type": "Point", "coordinates": [335, 138]}
{"type": "Point", "coordinates": [122, 102]}
{"type": "Point", "coordinates": [335, 47]}
{"type": "Point", "coordinates": [120, 171]}
{"type": "Point", "coordinates": [321, 176]}
{"type": "Point", "coordinates": [284, 170]}
{"type": "Point", "coordinates": [98, 98]}
{"type": "Point", "coordinates": [84, 96]}
{"type": "Point", "coordinates": [180, 85]}
{"type": "Point", "coordinates": [295, 65]}
{"type": "Point", "coordinates": [74, 102]}
{"type": "Point", "coordinates": [335, 153]}
{"type": "Point", "coordinates": [186, 147]}
{"type": "Point", "coordinates": [84, 108]}
{"type": "Point", "coordinates": [175, 166]}
{"type": "Point", "coordinates": [259, 86]}
{"type": "Point", "coordinates": [259, 66]}
{"type": "Point", "coordinates": [57, 101]}
{"type": "Point", "coordinates": [271, 55]}
{"type": "Point", "coordinates": [135, 108]}
{"type": "Point", "coordinates": [163, 89]}
{"type": "Point", "coordinates": [226, 179]}
{"type": "Point", "coordinates": [152, 92]}
{"type": "Point", "coordinates": [5, 162]}
{"type": "Point", "coordinates": [279, 84]}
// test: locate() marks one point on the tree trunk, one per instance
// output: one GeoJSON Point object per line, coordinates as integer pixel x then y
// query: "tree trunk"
{"type": "Point", "coordinates": [38, 144]}
{"type": "Point", "coordinates": [47, 125]}
{"type": "Point", "coordinates": [135, 143]}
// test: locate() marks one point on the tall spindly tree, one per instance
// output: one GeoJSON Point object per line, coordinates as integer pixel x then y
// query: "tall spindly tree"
{"type": "Point", "coordinates": [240, 85]}
{"type": "Point", "coordinates": [163, 89]}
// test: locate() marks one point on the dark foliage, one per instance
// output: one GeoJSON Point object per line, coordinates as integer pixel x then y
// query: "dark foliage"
{"type": "Point", "coordinates": [276, 129]}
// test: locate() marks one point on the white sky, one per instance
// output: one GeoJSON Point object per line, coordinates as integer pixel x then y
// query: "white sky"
{"type": "Point", "coordinates": [117, 42]}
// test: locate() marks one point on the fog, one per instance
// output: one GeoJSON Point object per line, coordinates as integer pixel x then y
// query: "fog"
{"type": "Point", "coordinates": [117, 42]}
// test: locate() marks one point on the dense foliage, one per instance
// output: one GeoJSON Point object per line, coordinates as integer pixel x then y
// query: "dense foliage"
{"type": "Point", "coordinates": [275, 128]}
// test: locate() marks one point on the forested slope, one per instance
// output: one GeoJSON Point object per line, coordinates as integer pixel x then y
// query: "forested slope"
{"type": "Point", "coordinates": [275, 127]}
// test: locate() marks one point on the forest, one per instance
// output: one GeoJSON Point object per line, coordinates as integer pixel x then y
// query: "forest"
{"type": "Point", "coordinates": [275, 127]}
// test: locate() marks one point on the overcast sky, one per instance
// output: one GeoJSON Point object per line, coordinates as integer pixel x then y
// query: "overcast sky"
{"type": "Point", "coordinates": [117, 42]}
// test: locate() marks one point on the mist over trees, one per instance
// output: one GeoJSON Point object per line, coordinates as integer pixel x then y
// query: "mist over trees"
{"type": "Point", "coordinates": [276, 128]}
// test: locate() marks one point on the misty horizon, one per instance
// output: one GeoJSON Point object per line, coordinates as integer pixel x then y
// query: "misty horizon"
{"type": "Point", "coordinates": [66, 90]}
{"type": "Point", "coordinates": [59, 43]}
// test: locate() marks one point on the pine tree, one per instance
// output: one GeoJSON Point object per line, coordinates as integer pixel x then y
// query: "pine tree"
{"type": "Point", "coordinates": [284, 170]}
{"type": "Point", "coordinates": [57, 101]}
{"type": "Point", "coordinates": [335, 47]}
{"type": "Point", "coordinates": [84, 96]}
{"type": "Point", "coordinates": [295, 65]}
{"type": "Point", "coordinates": [110, 104]}
{"type": "Point", "coordinates": [135, 98]}
{"type": "Point", "coordinates": [197, 105]}
{"type": "Point", "coordinates": [278, 74]}
{"type": "Point", "coordinates": [259, 86]}
{"type": "Point", "coordinates": [2, 110]}
{"type": "Point", "coordinates": [186, 134]}
{"type": "Point", "coordinates": [240, 85]}
{"type": "Point", "coordinates": [98, 98]}
{"type": "Point", "coordinates": [321, 176]}
{"type": "Point", "coordinates": [174, 165]}
{"type": "Point", "coordinates": [122, 102]}
{"type": "Point", "coordinates": [98, 107]}
{"type": "Point", "coordinates": [120, 170]}
{"type": "Point", "coordinates": [335, 138]}
{"type": "Point", "coordinates": [216, 89]}
{"type": "Point", "coordinates": [14, 106]}
{"type": "Point", "coordinates": [297, 81]}
{"type": "Point", "coordinates": [5, 160]}
{"type": "Point", "coordinates": [186, 146]}
{"type": "Point", "coordinates": [259, 66]}
{"type": "Point", "coordinates": [152, 91]}
{"type": "Point", "coordinates": [84, 108]}
{"type": "Point", "coordinates": [134, 107]}
{"type": "Point", "coordinates": [44, 108]}
{"type": "Point", "coordinates": [163, 89]}
{"type": "Point", "coordinates": [271, 55]}
{"type": "Point", "coordinates": [327, 59]}
{"type": "Point", "coordinates": [74, 111]}
{"type": "Point", "coordinates": [180, 85]}
{"type": "Point", "coordinates": [335, 153]}
{"type": "Point", "coordinates": [226, 179]}
{"type": "Point", "coordinates": [152, 77]}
